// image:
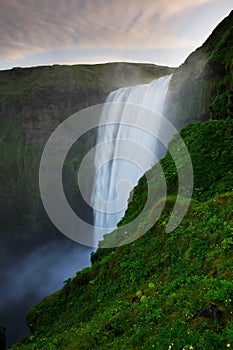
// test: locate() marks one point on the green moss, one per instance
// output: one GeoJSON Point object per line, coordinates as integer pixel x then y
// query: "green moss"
{"type": "Point", "coordinates": [151, 293]}
{"type": "Point", "coordinates": [24, 85]}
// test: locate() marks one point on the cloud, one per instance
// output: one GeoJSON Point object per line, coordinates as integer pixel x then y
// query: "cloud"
{"type": "Point", "coordinates": [30, 27]}
{"type": "Point", "coordinates": [174, 7]}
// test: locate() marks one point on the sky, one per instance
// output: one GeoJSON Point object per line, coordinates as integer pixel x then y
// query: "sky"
{"type": "Point", "coordinates": [164, 32]}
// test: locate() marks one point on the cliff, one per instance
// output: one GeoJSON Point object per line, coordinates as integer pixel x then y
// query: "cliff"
{"type": "Point", "coordinates": [33, 102]}
{"type": "Point", "coordinates": [202, 87]}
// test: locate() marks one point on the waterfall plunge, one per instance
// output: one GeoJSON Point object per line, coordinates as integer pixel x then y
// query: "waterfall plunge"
{"type": "Point", "coordinates": [117, 168]}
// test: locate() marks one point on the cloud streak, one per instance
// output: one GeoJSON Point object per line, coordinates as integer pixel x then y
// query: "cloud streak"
{"type": "Point", "coordinates": [30, 27]}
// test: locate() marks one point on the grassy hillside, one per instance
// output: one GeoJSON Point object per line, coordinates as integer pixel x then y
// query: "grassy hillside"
{"type": "Point", "coordinates": [24, 89]}
{"type": "Point", "coordinates": [163, 291]}
{"type": "Point", "coordinates": [202, 87]}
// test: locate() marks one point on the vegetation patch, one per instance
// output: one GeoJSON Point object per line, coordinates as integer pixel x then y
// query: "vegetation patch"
{"type": "Point", "coordinates": [163, 291]}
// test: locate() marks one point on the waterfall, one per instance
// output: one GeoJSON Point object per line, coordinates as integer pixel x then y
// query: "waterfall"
{"type": "Point", "coordinates": [117, 169]}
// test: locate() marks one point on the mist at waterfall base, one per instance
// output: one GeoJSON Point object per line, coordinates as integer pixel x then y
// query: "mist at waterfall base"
{"type": "Point", "coordinates": [116, 175]}
{"type": "Point", "coordinates": [28, 279]}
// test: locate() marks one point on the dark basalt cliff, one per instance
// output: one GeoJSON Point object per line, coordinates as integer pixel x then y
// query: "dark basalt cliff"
{"type": "Point", "coordinates": [33, 102]}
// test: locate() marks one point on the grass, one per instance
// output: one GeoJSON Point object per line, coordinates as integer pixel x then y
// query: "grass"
{"type": "Point", "coordinates": [152, 293]}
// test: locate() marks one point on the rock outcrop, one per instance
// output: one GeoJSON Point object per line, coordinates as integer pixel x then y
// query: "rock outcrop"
{"type": "Point", "coordinates": [202, 87]}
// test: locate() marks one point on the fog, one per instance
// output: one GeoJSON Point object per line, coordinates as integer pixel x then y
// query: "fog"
{"type": "Point", "coordinates": [35, 276]}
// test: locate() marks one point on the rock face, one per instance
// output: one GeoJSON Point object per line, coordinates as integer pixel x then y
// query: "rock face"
{"type": "Point", "coordinates": [2, 337]}
{"type": "Point", "coordinates": [202, 87]}
{"type": "Point", "coordinates": [33, 102]}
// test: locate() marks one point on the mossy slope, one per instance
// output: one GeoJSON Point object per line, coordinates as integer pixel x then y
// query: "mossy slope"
{"type": "Point", "coordinates": [163, 291]}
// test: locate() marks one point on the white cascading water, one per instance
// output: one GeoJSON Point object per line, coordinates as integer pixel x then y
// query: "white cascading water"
{"type": "Point", "coordinates": [116, 178]}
